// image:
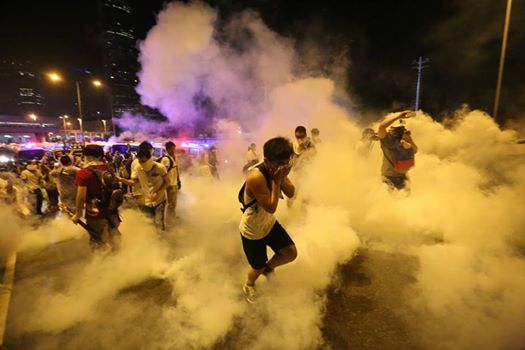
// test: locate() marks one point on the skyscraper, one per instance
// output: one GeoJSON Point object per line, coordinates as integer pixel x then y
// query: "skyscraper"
{"type": "Point", "coordinates": [119, 55]}
{"type": "Point", "coordinates": [20, 91]}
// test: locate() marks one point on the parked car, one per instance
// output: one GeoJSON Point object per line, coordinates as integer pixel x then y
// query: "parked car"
{"type": "Point", "coordinates": [124, 148]}
{"type": "Point", "coordinates": [24, 156]}
{"type": "Point", "coordinates": [7, 159]}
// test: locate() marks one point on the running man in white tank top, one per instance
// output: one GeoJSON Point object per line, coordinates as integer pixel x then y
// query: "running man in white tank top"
{"type": "Point", "coordinates": [258, 226]}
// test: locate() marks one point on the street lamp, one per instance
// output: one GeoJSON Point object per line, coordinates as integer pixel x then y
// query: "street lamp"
{"type": "Point", "coordinates": [55, 77]}
{"type": "Point", "coordinates": [33, 116]}
{"type": "Point", "coordinates": [64, 117]}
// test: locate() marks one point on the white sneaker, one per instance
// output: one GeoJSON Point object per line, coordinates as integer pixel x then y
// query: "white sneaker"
{"type": "Point", "coordinates": [249, 293]}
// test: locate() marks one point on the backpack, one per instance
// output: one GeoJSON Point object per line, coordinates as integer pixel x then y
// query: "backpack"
{"type": "Point", "coordinates": [266, 173]}
{"type": "Point", "coordinates": [110, 192]}
{"type": "Point", "coordinates": [172, 163]}
{"type": "Point", "coordinates": [403, 158]}
{"type": "Point", "coordinates": [125, 169]}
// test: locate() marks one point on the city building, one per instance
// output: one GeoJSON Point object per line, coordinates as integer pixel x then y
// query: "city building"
{"type": "Point", "coordinates": [120, 55]}
{"type": "Point", "coordinates": [20, 89]}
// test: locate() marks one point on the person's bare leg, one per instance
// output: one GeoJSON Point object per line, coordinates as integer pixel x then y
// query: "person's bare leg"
{"type": "Point", "coordinates": [284, 256]}
{"type": "Point", "coordinates": [253, 275]}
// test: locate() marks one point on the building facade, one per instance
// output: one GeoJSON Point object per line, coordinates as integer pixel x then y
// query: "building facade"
{"type": "Point", "coordinates": [20, 89]}
{"type": "Point", "coordinates": [120, 55]}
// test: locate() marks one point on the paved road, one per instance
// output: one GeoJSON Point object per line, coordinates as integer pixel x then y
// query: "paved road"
{"type": "Point", "coordinates": [364, 309]}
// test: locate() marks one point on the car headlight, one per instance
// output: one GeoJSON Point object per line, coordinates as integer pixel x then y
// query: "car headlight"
{"type": "Point", "coordinates": [4, 159]}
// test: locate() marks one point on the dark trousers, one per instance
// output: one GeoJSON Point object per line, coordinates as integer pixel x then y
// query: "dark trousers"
{"type": "Point", "coordinates": [39, 200]}
{"type": "Point", "coordinates": [157, 213]}
{"type": "Point", "coordinates": [53, 196]}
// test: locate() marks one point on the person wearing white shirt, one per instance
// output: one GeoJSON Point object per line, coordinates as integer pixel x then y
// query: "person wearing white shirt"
{"type": "Point", "coordinates": [33, 179]}
{"type": "Point", "coordinates": [153, 179]}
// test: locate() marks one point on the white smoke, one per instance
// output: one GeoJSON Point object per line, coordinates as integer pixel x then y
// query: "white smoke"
{"type": "Point", "coordinates": [234, 69]}
{"type": "Point", "coordinates": [57, 310]}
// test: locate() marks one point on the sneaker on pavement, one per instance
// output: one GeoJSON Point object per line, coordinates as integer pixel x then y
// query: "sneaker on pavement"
{"type": "Point", "coordinates": [249, 292]}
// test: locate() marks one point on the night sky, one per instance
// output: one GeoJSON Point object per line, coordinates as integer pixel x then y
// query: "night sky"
{"type": "Point", "coordinates": [377, 39]}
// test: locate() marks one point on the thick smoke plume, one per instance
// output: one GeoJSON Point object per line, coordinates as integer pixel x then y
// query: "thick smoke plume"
{"type": "Point", "coordinates": [194, 72]}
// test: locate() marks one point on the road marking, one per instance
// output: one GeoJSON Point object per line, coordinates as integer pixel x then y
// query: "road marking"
{"type": "Point", "coordinates": [5, 292]}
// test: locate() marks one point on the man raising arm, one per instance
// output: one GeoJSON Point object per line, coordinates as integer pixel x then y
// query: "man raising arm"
{"type": "Point", "coordinates": [398, 149]}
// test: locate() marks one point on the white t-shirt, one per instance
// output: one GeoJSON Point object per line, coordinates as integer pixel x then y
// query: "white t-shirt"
{"type": "Point", "coordinates": [301, 146]}
{"type": "Point", "coordinates": [173, 173]}
{"type": "Point", "coordinates": [256, 223]}
{"type": "Point", "coordinates": [150, 182]}
{"type": "Point", "coordinates": [135, 164]}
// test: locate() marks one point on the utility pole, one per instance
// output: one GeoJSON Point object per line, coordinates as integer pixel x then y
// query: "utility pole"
{"type": "Point", "coordinates": [502, 58]}
{"type": "Point", "coordinates": [81, 117]}
{"type": "Point", "coordinates": [420, 64]}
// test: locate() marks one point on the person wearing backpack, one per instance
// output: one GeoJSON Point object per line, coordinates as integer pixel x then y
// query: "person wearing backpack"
{"type": "Point", "coordinates": [169, 161]}
{"type": "Point", "coordinates": [398, 150]}
{"type": "Point", "coordinates": [259, 228]}
{"type": "Point", "coordinates": [34, 180]}
{"type": "Point", "coordinates": [100, 211]}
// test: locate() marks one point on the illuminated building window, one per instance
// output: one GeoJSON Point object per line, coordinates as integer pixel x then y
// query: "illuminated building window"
{"type": "Point", "coordinates": [26, 92]}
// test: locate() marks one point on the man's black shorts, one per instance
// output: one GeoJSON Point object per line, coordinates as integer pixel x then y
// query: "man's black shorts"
{"type": "Point", "coordinates": [255, 250]}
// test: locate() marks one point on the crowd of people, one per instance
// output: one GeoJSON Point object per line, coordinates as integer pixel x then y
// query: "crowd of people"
{"type": "Point", "coordinates": [92, 188]}
{"type": "Point", "coordinates": [94, 185]}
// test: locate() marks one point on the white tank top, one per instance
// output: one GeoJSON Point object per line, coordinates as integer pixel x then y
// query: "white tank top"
{"type": "Point", "coordinates": [256, 222]}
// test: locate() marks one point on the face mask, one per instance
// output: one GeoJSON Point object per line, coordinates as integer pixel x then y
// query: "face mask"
{"type": "Point", "coordinates": [147, 165]}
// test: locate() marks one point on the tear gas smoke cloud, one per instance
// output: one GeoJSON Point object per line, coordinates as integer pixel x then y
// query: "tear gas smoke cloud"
{"type": "Point", "coordinates": [133, 123]}
{"type": "Point", "coordinates": [141, 256]}
{"type": "Point", "coordinates": [192, 73]}
{"type": "Point", "coordinates": [466, 192]}
{"type": "Point", "coordinates": [463, 220]}
{"type": "Point", "coordinates": [9, 238]}
{"type": "Point", "coordinates": [29, 235]}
